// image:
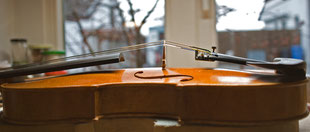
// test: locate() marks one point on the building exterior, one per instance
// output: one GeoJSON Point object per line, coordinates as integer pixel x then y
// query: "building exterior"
{"type": "Point", "coordinates": [289, 15]}
{"type": "Point", "coordinates": [154, 54]}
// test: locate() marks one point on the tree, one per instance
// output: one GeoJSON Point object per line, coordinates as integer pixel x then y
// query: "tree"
{"type": "Point", "coordinates": [111, 24]}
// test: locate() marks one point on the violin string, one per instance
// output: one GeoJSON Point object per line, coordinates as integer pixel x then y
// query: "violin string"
{"type": "Point", "coordinates": [186, 47]}
{"type": "Point", "coordinates": [119, 50]}
{"type": "Point", "coordinates": [94, 54]}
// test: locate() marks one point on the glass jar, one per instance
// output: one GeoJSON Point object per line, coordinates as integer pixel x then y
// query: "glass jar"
{"type": "Point", "coordinates": [19, 51]}
{"type": "Point", "coordinates": [37, 51]}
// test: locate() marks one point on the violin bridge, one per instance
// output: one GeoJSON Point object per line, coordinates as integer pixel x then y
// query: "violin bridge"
{"type": "Point", "coordinates": [163, 64]}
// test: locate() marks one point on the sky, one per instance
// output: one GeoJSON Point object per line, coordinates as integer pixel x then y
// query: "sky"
{"type": "Point", "coordinates": [244, 18]}
{"type": "Point", "coordinates": [145, 6]}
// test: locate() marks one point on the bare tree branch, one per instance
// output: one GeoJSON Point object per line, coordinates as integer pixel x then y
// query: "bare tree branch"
{"type": "Point", "coordinates": [94, 8]}
{"type": "Point", "coordinates": [148, 14]}
{"type": "Point", "coordinates": [118, 25]}
{"type": "Point", "coordinates": [82, 32]}
{"type": "Point", "coordinates": [132, 12]}
{"type": "Point", "coordinates": [138, 36]}
{"type": "Point", "coordinates": [123, 23]}
{"type": "Point", "coordinates": [74, 42]}
{"type": "Point", "coordinates": [84, 35]}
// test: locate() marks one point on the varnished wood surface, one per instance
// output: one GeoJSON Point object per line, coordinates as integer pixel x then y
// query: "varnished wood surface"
{"type": "Point", "coordinates": [201, 77]}
{"type": "Point", "coordinates": [211, 97]}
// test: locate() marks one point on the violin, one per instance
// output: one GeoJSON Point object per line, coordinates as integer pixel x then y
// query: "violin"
{"type": "Point", "coordinates": [189, 95]}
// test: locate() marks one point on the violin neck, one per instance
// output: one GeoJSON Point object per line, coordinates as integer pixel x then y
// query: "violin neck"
{"type": "Point", "coordinates": [63, 65]}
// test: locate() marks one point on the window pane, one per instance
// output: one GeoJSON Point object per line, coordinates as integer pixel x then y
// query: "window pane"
{"type": "Point", "coordinates": [97, 25]}
{"type": "Point", "coordinates": [263, 29]}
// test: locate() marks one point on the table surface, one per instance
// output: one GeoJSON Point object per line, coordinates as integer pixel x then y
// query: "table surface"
{"type": "Point", "coordinates": [304, 125]}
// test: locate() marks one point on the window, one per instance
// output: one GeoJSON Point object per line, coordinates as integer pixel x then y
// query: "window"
{"type": "Point", "coordinates": [97, 25]}
{"type": "Point", "coordinates": [263, 29]}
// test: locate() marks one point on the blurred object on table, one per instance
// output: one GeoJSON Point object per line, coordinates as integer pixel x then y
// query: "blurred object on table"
{"type": "Point", "coordinates": [5, 59]}
{"type": "Point", "coordinates": [19, 51]}
{"type": "Point", "coordinates": [37, 51]}
{"type": "Point", "coordinates": [54, 54]}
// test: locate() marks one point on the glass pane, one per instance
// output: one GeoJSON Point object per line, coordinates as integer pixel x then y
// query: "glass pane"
{"type": "Point", "coordinates": [97, 25]}
{"type": "Point", "coordinates": [263, 29]}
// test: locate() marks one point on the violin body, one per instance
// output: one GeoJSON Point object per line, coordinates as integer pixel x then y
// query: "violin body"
{"type": "Point", "coordinates": [191, 95]}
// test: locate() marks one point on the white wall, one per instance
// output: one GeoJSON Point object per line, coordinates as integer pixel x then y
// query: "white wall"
{"type": "Point", "coordinates": [6, 24]}
{"type": "Point", "coordinates": [39, 21]}
{"type": "Point", "coordinates": [186, 23]}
